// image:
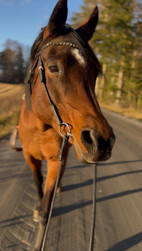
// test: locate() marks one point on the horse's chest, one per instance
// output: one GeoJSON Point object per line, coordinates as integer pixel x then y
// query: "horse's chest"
{"type": "Point", "coordinates": [43, 147]}
{"type": "Point", "coordinates": [35, 148]}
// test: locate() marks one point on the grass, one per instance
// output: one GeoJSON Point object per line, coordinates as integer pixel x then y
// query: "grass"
{"type": "Point", "coordinates": [126, 111]}
{"type": "Point", "coordinates": [10, 102]}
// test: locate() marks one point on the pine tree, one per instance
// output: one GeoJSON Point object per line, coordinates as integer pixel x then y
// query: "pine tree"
{"type": "Point", "coordinates": [14, 61]}
{"type": "Point", "coordinates": [136, 76]}
{"type": "Point", "coordinates": [114, 42]}
{"type": "Point", "coordinates": [8, 57]}
{"type": "Point", "coordinates": [19, 66]}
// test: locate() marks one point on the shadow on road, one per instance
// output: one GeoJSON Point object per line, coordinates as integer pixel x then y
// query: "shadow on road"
{"type": "Point", "coordinates": [117, 195]}
{"type": "Point", "coordinates": [127, 243]}
{"type": "Point", "coordinates": [13, 221]}
{"type": "Point", "coordinates": [77, 185]}
{"type": "Point", "coordinates": [117, 175]}
{"type": "Point", "coordinates": [69, 208]}
{"type": "Point", "coordinates": [119, 162]}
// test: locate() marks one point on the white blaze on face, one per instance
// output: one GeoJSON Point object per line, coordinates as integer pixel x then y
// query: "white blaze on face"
{"type": "Point", "coordinates": [78, 56]}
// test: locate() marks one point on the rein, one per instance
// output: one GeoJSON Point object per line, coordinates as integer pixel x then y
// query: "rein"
{"type": "Point", "coordinates": [66, 134]}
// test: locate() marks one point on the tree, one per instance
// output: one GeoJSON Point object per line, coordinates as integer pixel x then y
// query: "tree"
{"type": "Point", "coordinates": [8, 57]}
{"type": "Point", "coordinates": [13, 62]}
{"type": "Point", "coordinates": [19, 66]}
{"type": "Point", "coordinates": [118, 43]}
{"type": "Point", "coordinates": [136, 76]}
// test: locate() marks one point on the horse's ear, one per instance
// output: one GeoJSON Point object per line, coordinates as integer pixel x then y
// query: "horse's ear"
{"type": "Point", "coordinates": [87, 29]}
{"type": "Point", "coordinates": [58, 18]}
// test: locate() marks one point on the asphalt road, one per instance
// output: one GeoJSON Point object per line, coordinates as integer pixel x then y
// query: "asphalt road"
{"type": "Point", "coordinates": [118, 205]}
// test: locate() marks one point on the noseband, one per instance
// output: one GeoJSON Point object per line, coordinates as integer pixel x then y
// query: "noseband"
{"type": "Point", "coordinates": [62, 125]}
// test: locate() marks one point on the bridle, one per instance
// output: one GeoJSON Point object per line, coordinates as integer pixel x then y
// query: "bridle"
{"type": "Point", "coordinates": [66, 133]}
{"type": "Point", "coordinates": [63, 126]}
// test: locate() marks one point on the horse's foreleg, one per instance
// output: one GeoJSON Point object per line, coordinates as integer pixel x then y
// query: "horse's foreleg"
{"type": "Point", "coordinates": [35, 166]}
{"type": "Point", "coordinates": [53, 169]}
{"type": "Point", "coordinates": [52, 174]}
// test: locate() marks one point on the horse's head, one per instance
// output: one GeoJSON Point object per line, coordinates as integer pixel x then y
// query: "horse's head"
{"type": "Point", "coordinates": [71, 69]}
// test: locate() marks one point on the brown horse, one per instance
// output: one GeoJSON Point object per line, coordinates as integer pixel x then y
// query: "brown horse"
{"type": "Point", "coordinates": [63, 58]}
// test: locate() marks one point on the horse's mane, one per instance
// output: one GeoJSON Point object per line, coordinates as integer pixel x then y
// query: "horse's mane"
{"type": "Point", "coordinates": [74, 38]}
{"type": "Point", "coordinates": [34, 49]}
{"type": "Point", "coordinates": [37, 43]}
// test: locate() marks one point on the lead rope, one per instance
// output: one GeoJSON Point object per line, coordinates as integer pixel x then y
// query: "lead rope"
{"type": "Point", "coordinates": [65, 141]}
{"type": "Point", "coordinates": [93, 226]}
{"type": "Point", "coordinates": [92, 234]}
{"type": "Point", "coordinates": [42, 236]}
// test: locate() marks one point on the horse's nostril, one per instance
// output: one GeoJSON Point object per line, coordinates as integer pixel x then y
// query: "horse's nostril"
{"type": "Point", "coordinates": [96, 145]}
{"type": "Point", "coordinates": [86, 137]}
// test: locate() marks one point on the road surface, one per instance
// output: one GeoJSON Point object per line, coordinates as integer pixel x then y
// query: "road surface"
{"type": "Point", "coordinates": [118, 206]}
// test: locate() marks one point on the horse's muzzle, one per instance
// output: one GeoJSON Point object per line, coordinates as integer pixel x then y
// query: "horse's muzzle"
{"type": "Point", "coordinates": [98, 149]}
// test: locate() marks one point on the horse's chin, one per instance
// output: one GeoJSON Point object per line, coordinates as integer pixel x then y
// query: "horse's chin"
{"type": "Point", "coordinates": [86, 161]}
{"type": "Point", "coordinates": [82, 156]}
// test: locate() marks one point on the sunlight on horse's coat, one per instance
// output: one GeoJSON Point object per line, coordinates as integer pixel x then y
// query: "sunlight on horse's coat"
{"type": "Point", "coordinates": [78, 56]}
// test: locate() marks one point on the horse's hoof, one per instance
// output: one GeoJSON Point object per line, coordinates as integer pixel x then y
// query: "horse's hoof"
{"type": "Point", "coordinates": [36, 216]}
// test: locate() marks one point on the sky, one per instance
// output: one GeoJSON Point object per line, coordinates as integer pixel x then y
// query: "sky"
{"type": "Point", "coordinates": [21, 20]}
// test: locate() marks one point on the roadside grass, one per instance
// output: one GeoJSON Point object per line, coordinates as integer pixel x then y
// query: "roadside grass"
{"type": "Point", "coordinates": [10, 103]}
{"type": "Point", "coordinates": [126, 111]}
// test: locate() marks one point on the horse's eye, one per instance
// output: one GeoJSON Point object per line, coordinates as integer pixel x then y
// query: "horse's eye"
{"type": "Point", "coordinates": [54, 69]}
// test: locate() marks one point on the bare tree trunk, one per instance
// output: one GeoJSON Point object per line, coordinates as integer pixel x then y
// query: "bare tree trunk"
{"type": "Point", "coordinates": [100, 83]}
{"type": "Point", "coordinates": [120, 82]}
